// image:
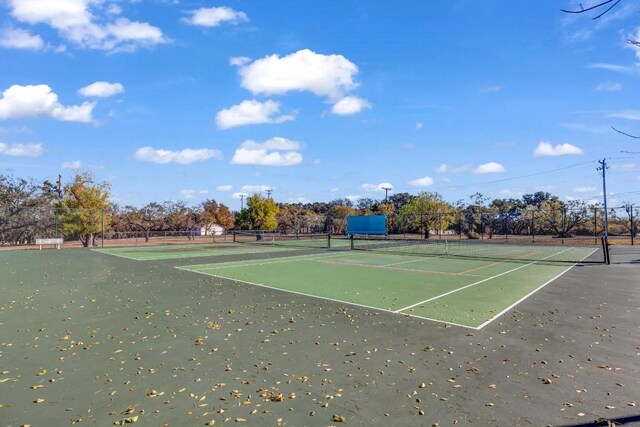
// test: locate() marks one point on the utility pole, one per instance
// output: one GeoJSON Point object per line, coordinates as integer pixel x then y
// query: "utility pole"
{"type": "Point", "coordinates": [241, 202]}
{"type": "Point", "coordinates": [269, 191]}
{"type": "Point", "coordinates": [603, 167]}
{"type": "Point", "coordinates": [386, 192]}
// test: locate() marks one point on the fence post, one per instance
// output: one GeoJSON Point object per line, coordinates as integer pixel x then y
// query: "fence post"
{"type": "Point", "coordinates": [631, 218]}
{"type": "Point", "coordinates": [102, 219]}
{"type": "Point", "coordinates": [533, 226]}
{"type": "Point", "coordinates": [595, 224]}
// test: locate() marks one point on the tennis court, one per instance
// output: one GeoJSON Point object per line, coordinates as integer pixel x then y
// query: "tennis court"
{"type": "Point", "coordinates": [464, 289]}
{"type": "Point", "coordinates": [244, 243]}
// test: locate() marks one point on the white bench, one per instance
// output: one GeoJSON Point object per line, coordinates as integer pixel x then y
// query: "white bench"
{"type": "Point", "coordinates": [56, 242]}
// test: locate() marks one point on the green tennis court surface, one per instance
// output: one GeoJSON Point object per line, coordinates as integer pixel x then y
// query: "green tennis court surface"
{"type": "Point", "coordinates": [465, 292]}
{"type": "Point", "coordinates": [153, 253]}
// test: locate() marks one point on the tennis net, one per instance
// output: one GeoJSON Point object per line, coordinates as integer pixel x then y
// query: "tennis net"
{"type": "Point", "coordinates": [308, 240]}
{"type": "Point", "coordinates": [570, 250]}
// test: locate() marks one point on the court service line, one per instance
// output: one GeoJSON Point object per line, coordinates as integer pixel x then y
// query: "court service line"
{"type": "Point", "coordinates": [355, 304]}
{"type": "Point", "coordinates": [478, 282]}
{"type": "Point", "coordinates": [531, 293]}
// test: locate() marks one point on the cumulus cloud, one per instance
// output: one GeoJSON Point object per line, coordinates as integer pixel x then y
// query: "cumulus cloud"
{"type": "Point", "coordinates": [250, 113]}
{"type": "Point", "coordinates": [330, 76]}
{"type": "Point", "coordinates": [30, 102]}
{"type": "Point", "coordinates": [17, 38]}
{"type": "Point", "coordinates": [21, 150]}
{"type": "Point", "coordinates": [350, 105]}
{"type": "Point", "coordinates": [256, 188]}
{"type": "Point", "coordinates": [608, 87]}
{"type": "Point", "coordinates": [492, 89]}
{"type": "Point", "coordinates": [273, 152]}
{"type": "Point", "coordinates": [445, 168]}
{"type": "Point", "coordinates": [183, 157]}
{"type": "Point", "coordinates": [546, 149]}
{"type": "Point", "coordinates": [224, 187]}
{"type": "Point", "coordinates": [238, 195]}
{"type": "Point", "coordinates": [71, 165]}
{"type": "Point", "coordinates": [422, 182]}
{"type": "Point", "coordinates": [84, 23]}
{"type": "Point", "coordinates": [585, 189]}
{"type": "Point", "coordinates": [187, 194]}
{"type": "Point", "coordinates": [377, 187]}
{"type": "Point", "coordinates": [214, 16]}
{"type": "Point", "coordinates": [101, 89]}
{"type": "Point", "coordinates": [491, 167]}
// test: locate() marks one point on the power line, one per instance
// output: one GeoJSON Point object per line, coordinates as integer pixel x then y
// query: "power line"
{"type": "Point", "coordinates": [521, 176]}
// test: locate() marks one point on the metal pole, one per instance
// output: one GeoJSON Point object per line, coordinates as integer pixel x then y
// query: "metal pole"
{"type": "Point", "coordinates": [595, 224]}
{"type": "Point", "coordinates": [631, 218]}
{"type": "Point", "coordinates": [564, 216]}
{"type": "Point", "coordinates": [102, 215]}
{"type": "Point", "coordinates": [604, 168]}
{"type": "Point", "coordinates": [533, 226]}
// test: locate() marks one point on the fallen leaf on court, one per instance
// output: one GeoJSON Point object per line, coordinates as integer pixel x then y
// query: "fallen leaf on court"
{"type": "Point", "coordinates": [41, 373]}
{"type": "Point", "coordinates": [240, 420]}
{"type": "Point", "coordinates": [38, 400]}
{"type": "Point", "coordinates": [338, 418]}
{"type": "Point", "coordinates": [37, 386]}
{"type": "Point", "coordinates": [124, 421]}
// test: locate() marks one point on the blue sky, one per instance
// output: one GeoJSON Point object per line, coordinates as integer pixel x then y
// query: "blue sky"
{"type": "Point", "coordinates": [197, 99]}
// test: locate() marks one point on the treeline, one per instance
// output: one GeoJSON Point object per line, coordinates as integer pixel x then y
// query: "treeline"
{"type": "Point", "coordinates": [82, 209]}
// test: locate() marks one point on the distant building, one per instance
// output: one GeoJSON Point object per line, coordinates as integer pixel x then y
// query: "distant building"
{"type": "Point", "coordinates": [211, 230]}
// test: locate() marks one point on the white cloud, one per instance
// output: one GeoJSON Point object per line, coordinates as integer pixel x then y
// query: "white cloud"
{"type": "Point", "coordinates": [183, 157]}
{"type": "Point", "coordinates": [608, 87]}
{"type": "Point", "coordinates": [101, 89]}
{"type": "Point", "coordinates": [187, 194]}
{"type": "Point", "coordinates": [350, 105]}
{"type": "Point", "coordinates": [18, 38]}
{"type": "Point", "coordinates": [546, 149]}
{"type": "Point", "coordinates": [585, 189]}
{"type": "Point", "coordinates": [317, 161]}
{"type": "Point", "coordinates": [492, 89]}
{"type": "Point", "coordinates": [239, 60]}
{"type": "Point", "coordinates": [21, 150]}
{"type": "Point", "coordinates": [214, 16]}
{"type": "Point", "coordinates": [491, 167]}
{"type": "Point", "coordinates": [422, 182]}
{"type": "Point", "coordinates": [224, 187]}
{"type": "Point", "coordinates": [29, 102]}
{"type": "Point", "coordinates": [256, 188]}
{"type": "Point", "coordinates": [419, 126]}
{"type": "Point", "coordinates": [626, 114]}
{"type": "Point", "coordinates": [251, 113]}
{"type": "Point", "coordinates": [80, 22]}
{"type": "Point", "coordinates": [330, 76]}
{"type": "Point", "coordinates": [238, 195]}
{"type": "Point", "coordinates": [377, 187]}
{"type": "Point", "coordinates": [626, 167]}
{"type": "Point", "coordinates": [634, 36]}
{"type": "Point", "coordinates": [71, 165]}
{"type": "Point", "coordinates": [276, 151]}
{"type": "Point", "coordinates": [353, 198]}
{"type": "Point", "coordinates": [445, 168]}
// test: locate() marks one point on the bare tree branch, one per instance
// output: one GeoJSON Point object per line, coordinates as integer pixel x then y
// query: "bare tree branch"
{"type": "Point", "coordinates": [634, 42]}
{"type": "Point", "coordinates": [603, 3]}
{"type": "Point", "coordinates": [625, 134]}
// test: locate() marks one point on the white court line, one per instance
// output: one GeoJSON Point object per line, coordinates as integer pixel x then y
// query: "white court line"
{"type": "Point", "coordinates": [478, 282]}
{"type": "Point", "coordinates": [532, 292]}
{"type": "Point", "coordinates": [327, 298]}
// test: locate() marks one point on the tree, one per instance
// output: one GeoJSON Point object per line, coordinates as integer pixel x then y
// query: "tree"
{"type": "Point", "coordinates": [338, 215]}
{"type": "Point", "coordinates": [261, 213]}
{"type": "Point", "coordinates": [146, 219]}
{"type": "Point", "coordinates": [214, 213]}
{"type": "Point", "coordinates": [561, 218]}
{"type": "Point", "coordinates": [85, 208]}
{"type": "Point", "coordinates": [26, 210]}
{"type": "Point", "coordinates": [427, 212]}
